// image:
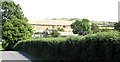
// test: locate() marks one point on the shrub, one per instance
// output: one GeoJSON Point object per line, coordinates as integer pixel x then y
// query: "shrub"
{"type": "Point", "coordinates": [100, 47]}
{"type": "Point", "coordinates": [60, 29]}
{"type": "Point", "coordinates": [55, 33]}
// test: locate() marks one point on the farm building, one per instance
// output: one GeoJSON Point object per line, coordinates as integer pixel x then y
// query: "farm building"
{"type": "Point", "coordinates": [40, 25]}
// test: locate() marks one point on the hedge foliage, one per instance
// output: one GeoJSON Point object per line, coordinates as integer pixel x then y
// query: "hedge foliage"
{"type": "Point", "coordinates": [104, 46]}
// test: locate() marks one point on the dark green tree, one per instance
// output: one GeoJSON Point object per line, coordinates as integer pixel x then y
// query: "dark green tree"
{"type": "Point", "coordinates": [86, 25]}
{"type": "Point", "coordinates": [83, 25]}
{"type": "Point", "coordinates": [95, 28]}
{"type": "Point", "coordinates": [76, 26]}
{"type": "Point", "coordinates": [55, 33]}
{"type": "Point", "coordinates": [117, 26]}
{"type": "Point", "coordinates": [15, 26]}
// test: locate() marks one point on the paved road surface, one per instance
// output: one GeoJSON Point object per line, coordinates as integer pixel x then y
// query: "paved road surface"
{"type": "Point", "coordinates": [14, 55]}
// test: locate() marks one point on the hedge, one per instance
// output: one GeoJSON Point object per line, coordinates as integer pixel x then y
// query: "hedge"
{"type": "Point", "coordinates": [104, 46]}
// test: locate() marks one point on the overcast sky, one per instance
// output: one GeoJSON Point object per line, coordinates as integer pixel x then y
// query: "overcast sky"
{"type": "Point", "coordinates": [98, 10]}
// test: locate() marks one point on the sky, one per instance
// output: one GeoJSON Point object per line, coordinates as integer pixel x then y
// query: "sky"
{"type": "Point", "coordinates": [97, 10]}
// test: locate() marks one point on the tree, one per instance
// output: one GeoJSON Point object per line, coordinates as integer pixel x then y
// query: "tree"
{"type": "Point", "coordinates": [94, 28]}
{"type": "Point", "coordinates": [79, 26]}
{"type": "Point", "coordinates": [86, 25]}
{"type": "Point", "coordinates": [15, 26]}
{"type": "Point", "coordinates": [117, 26]}
{"type": "Point", "coordinates": [55, 33]}
{"type": "Point", "coordinates": [76, 26]}
{"type": "Point", "coordinates": [60, 29]}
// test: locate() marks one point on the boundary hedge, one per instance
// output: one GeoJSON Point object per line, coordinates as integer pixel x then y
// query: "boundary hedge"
{"type": "Point", "coordinates": [104, 46]}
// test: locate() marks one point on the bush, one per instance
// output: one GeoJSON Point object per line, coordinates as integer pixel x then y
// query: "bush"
{"type": "Point", "coordinates": [55, 33]}
{"type": "Point", "coordinates": [100, 47]}
{"type": "Point", "coordinates": [60, 29]}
